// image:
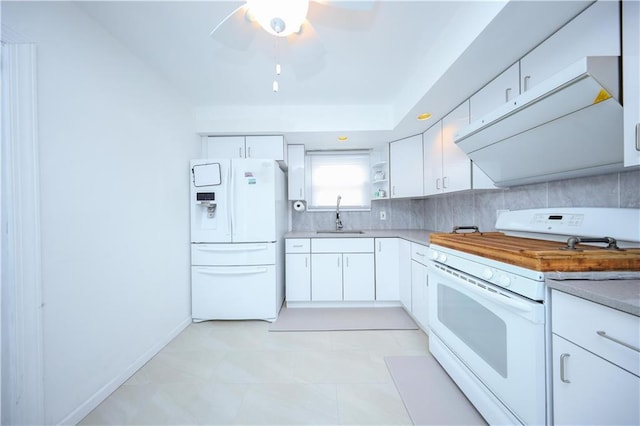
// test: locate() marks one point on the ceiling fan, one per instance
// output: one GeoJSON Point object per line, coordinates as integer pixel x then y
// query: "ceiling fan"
{"type": "Point", "coordinates": [289, 21]}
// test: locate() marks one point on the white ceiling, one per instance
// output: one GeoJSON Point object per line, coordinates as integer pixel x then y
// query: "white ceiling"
{"type": "Point", "coordinates": [363, 70]}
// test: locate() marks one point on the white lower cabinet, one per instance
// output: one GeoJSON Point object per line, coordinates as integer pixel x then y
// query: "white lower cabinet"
{"type": "Point", "coordinates": [595, 365]}
{"type": "Point", "coordinates": [326, 277]}
{"type": "Point", "coordinates": [419, 285]}
{"type": "Point", "coordinates": [298, 270]}
{"type": "Point", "coordinates": [387, 269]}
{"type": "Point", "coordinates": [358, 281]}
{"type": "Point", "coordinates": [342, 269]}
{"type": "Point", "coordinates": [404, 283]}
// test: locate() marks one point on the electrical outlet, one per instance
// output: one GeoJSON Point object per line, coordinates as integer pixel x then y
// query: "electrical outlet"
{"type": "Point", "coordinates": [383, 215]}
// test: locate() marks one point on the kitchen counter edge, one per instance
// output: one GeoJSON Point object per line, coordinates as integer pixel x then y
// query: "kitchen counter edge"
{"type": "Point", "coordinates": [623, 295]}
{"type": "Point", "coordinates": [419, 236]}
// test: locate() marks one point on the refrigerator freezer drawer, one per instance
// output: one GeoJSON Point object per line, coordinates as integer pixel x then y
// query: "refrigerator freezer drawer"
{"type": "Point", "coordinates": [233, 254]}
{"type": "Point", "coordinates": [233, 292]}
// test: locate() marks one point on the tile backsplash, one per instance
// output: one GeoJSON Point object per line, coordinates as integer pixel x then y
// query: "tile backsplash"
{"type": "Point", "coordinates": [442, 212]}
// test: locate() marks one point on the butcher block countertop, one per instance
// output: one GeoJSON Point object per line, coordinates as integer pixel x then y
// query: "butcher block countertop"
{"type": "Point", "coordinates": [539, 255]}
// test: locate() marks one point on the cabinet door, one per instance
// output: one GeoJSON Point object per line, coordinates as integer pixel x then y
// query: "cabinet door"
{"type": "Point", "coordinates": [405, 274]}
{"type": "Point", "coordinates": [224, 147]}
{"type": "Point", "coordinates": [358, 276]}
{"type": "Point", "coordinates": [432, 152]}
{"type": "Point", "coordinates": [595, 32]}
{"type": "Point", "coordinates": [406, 167]}
{"type": "Point", "coordinates": [298, 277]}
{"type": "Point", "coordinates": [326, 277]}
{"type": "Point", "coordinates": [387, 269]}
{"type": "Point", "coordinates": [499, 91]}
{"type": "Point", "coordinates": [419, 295]}
{"type": "Point", "coordinates": [271, 147]}
{"type": "Point", "coordinates": [630, 80]}
{"type": "Point", "coordinates": [594, 391]}
{"type": "Point", "coordinates": [295, 158]}
{"type": "Point", "coordinates": [456, 166]}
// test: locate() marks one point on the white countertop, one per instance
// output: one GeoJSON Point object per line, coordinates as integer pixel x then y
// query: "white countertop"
{"type": "Point", "coordinates": [623, 295]}
{"type": "Point", "coordinates": [419, 236]}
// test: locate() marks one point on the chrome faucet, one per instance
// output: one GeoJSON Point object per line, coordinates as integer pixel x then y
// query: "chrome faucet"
{"type": "Point", "coordinates": [338, 220]}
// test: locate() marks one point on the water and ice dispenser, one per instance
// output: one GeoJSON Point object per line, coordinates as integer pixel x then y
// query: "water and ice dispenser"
{"type": "Point", "coordinates": [206, 193]}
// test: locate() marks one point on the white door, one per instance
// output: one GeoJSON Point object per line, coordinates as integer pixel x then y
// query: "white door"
{"type": "Point", "coordinates": [387, 269]}
{"type": "Point", "coordinates": [271, 147]}
{"type": "Point", "coordinates": [253, 211]}
{"type": "Point", "coordinates": [210, 201]}
{"type": "Point", "coordinates": [223, 147]}
{"type": "Point", "coordinates": [358, 276]}
{"type": "Point", "coordinates": [456, 166]}
{"type": "Point", "coordinates": [298, 276]}
{"type": "Point", "coordinates": [406, 167]}
{"type": "Point", "coordinates": [432, 152]}
{"type": "Point", "coordinates": [326, 276]}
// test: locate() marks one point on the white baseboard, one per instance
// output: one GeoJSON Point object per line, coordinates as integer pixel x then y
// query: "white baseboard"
{"type": "Point", "coordinates": [94, 400]}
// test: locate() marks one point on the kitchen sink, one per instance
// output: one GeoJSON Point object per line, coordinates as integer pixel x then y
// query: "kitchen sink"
{"type": "Point", "coordinates": [340, 232]}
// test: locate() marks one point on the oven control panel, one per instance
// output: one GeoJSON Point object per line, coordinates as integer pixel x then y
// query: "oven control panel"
{"type": "Point", "coordinates": [558, 223]}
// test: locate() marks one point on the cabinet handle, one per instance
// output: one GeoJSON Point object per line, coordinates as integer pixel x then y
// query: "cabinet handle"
{"type": "Point", "coordinates": [420, 254]}
{"type": "Point", "coordinates": [506, 94]}
{"type": "Point", "coordinates": [297, 245]}
{"type": "Point", "coordinates": [638, 137]}
{"type": "Point", "coordinates": [338, 258]}
{"type": "Point", "coordinates": [563, 359]}
{"type": "Point", "coordinates": [526, 81]}
{"type": "Point", "coordinates": [620, 342]}
{"type": "Point", "coordinates": [347, 261]}
{"type": "Point", "coordinates": [394, 189]}
{"type": "Point", "coordinates": [249, 152]}
{"type": "Point", "coordinates": [379, 246]}
{"type": "Point", "coordinates": [438, 183]}
{"type": "Point", "coordinates": [240, 152]}
{"type": "Point", "coordinates": [444, 182]}
{"type": "Point", "coordinates": [306, 262]}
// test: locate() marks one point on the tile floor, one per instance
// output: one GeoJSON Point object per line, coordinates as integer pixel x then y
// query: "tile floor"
{"type": "Point", "coordinates": [237, 372]}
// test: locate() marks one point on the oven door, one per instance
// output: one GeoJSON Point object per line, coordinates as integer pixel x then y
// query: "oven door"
{"type": "Point", "coordinates": [496, 334]}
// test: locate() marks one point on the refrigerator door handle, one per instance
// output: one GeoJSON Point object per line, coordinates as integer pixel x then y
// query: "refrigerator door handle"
{"type": "Point", "coordinates": [243, 247]}
{"type": "Point", "coordinates": [230, 197]}
{"type": "Point", "coordinates": [232, 271]}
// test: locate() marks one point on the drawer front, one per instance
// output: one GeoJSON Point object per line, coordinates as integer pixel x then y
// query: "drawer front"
{"type": "Point", "coordinates": [298, 245]}
{"type": "Point", "coordinates": [342, 245]}
{"type": "Point", "coordinates": [419, 253]}
{"type": "Point", "coordinates": [233, 254]}
{"type": "Point", "coordinates": [583, 323]}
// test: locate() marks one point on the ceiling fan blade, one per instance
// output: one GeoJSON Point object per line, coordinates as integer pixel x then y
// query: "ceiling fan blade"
{"type": "Point", "coordinates": [347, 15]}
{"type": "Point", "coordinates": [305, 52]}
{"type": "Point", "coordinates": [235, 31]}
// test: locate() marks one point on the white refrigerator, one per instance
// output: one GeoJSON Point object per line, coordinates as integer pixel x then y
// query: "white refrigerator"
{"type": "Point", "coordinates": [238, 219]}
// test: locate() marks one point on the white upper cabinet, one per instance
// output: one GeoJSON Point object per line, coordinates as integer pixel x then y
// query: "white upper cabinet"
{"type": "Point", "coordinates": [223, 147]}
{"type": "Point", "coordinates": [271, 147]}
{"type": "Point", "coordinates": [595, 32]}
{"type": "Point", "coordinates": [499, 91]}
{"type": "Point", "coordinates": [631, 81]}
{"type": "Point", "coordinates": [295, 157]}
{"type": "Point", "coordinates": [432, 151]}
{"type": "Point", "coordinates": [446, 167]}
{"type": "Point", "coordinates": [406, 167]}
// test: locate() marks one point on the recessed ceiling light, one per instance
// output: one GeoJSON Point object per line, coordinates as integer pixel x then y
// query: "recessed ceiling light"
{"type": "Point", "coordinates": [342, 138]}
{"type": "Point", "coordinates": [424, 116]}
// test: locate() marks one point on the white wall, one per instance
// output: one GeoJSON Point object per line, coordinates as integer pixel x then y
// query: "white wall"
{"type": "Point", "coordinates": [115, 142]}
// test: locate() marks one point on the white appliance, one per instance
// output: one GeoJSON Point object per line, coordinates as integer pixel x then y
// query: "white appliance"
{"type": "Point", "coordinates": [238, 219]}
{"type": "Point", "coordinates": [560, 128]}
{"type": "Point", "coordinates": [489, 319]}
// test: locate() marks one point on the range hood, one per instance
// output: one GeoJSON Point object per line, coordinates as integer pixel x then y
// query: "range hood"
{"type": "Point", "coordinates": [567, 126]}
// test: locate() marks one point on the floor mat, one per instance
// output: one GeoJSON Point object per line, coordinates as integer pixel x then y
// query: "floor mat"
{"type": "Point", "coordinates": [332, 319]}
{"type": "Point", "coordinates": [430, 396]}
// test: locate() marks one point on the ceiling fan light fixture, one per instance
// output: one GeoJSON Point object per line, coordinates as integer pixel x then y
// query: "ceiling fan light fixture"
{"type": "Point", "coordinates": [279, 17]}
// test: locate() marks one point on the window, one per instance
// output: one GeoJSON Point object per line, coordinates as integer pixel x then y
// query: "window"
{"type": "Point", "coordinates": [333, 173]}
